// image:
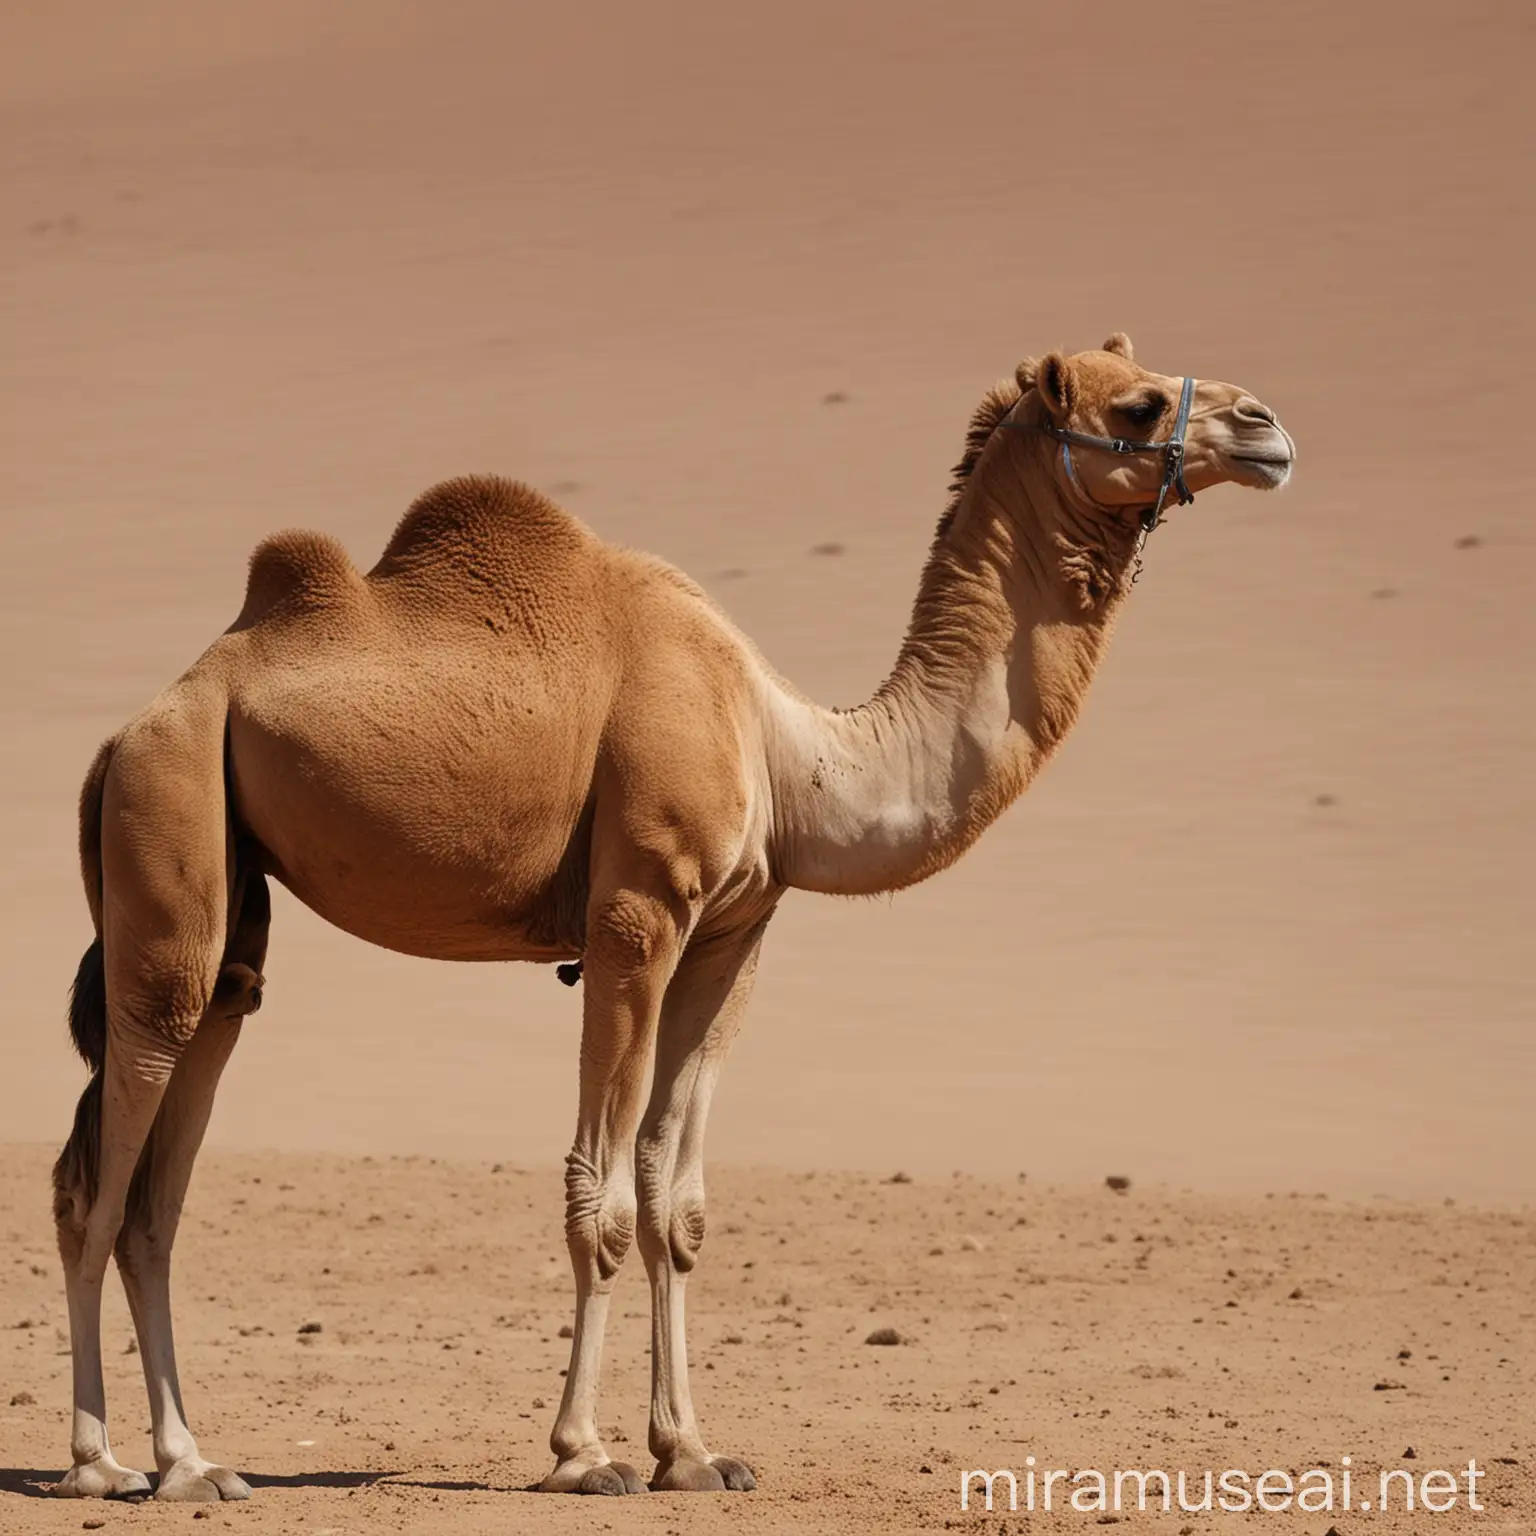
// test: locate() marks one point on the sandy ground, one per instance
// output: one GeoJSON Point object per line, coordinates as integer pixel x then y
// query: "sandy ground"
{"type": "Point", "coordinates": [1153, 1329]}
{"type": "Point", "coordinates": [728, 282]}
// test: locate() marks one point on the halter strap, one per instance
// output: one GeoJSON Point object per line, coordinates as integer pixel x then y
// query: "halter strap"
{"type": "Point", "coordinates": [1171, 448]}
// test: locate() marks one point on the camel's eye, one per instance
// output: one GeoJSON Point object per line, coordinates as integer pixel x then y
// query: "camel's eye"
{"type": "Point", "coordinates": [1143, 413]}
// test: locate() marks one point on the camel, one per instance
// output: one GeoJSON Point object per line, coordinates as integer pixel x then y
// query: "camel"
{"type": "Point", "coordinates": [511, 740]}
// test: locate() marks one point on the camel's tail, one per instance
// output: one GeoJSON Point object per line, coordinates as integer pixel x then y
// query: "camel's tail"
{"type": "Point", "coordinates": [75, 1171]}
{"type": "Point", "coordinates": [88, 1008]}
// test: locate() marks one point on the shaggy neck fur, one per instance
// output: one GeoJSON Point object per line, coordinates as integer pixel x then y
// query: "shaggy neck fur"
{"type": "Point", "coordinates": [1012, 615]}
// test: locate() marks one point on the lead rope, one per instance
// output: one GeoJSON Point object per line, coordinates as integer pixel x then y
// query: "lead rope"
{"type": "Point", "coordinates": [1141, 544]}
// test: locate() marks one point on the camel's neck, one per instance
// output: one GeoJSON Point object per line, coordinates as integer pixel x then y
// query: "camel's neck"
{"type": "Point", "coordinates": [1010, 623]}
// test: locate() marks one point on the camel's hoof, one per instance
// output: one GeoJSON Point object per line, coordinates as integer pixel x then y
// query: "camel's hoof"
{"type": "Point", "coordinates": [611, 1478]}
{"type": "Point", "coordinates": [200, 1482]}
{"type": "Point", "coordinates": [614, 1478]}
{"type": "Point", "coordinates": [720, 1474]}
{"type": "Point", "coordinates": [738, 1475]}
{"type": "Point", "coordinates": [101, 1480]}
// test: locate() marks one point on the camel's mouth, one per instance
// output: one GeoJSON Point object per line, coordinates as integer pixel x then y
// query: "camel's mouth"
{"type": "Point", "coordinates": [1264, 472]}
{"type": "Point", "coordinates": [1268, 466]}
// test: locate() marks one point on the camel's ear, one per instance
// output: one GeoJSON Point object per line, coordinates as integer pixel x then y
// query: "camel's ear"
{"type": "Point", "coordinates": [1120, 345]}
{"type": "Point", "coordinates": [1055, 385]}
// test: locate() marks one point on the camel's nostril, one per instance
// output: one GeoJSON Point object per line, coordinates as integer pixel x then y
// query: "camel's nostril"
{"type": "Point", "coordinates": [1249, 409]}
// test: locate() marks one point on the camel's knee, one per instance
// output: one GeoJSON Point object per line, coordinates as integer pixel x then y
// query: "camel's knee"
{"type": "Point", "coordinates": [85, 1229]}
{"type": "Point", "coordinates": [139, 1248]}
{"type": "Point", "coordinates": [75, 1174]}
{"type": "Point", "coordinates": [685, 1232]}
{"type": "Point", "coordinates": [671, 1211]}
{"type": "Point", "coordinates": [599, 1217]}
{"type": "Point", "coordinates": [71, 1207]}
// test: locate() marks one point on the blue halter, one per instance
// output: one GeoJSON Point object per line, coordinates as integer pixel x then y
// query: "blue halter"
{"type": "Point", "coordinates": [1171, 448]}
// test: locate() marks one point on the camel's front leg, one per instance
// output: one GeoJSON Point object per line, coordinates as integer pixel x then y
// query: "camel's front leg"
{"type": "Point", "coordinates": [700, 1017]}
{"type": "Point", "coordinates": [633, 941]}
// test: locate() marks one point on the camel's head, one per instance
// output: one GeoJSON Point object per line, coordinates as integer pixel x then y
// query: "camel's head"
{"type": "Point", "coordinates": [1107, 394]}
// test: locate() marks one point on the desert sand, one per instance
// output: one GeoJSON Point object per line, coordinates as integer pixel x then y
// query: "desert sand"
{"type": "Point", "coordinates": [727, 282]}
{"type": "Point", "coordinates": [1149, 1330]}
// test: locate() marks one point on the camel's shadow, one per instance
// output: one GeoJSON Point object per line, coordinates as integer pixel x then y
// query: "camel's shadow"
{"type": "Point", "coordinates": [35, 1483]}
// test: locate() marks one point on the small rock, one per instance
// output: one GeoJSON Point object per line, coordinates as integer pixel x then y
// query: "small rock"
{"type": "Point", "coordinates": [1296, 1294]}
{"type": "Point", "coordinates": [95, 1523]}
{"type": "Point", "coordinates": [566, 1331]}
{"type": "Point", "coordinates": [22, 1400]}
{"type": "Point", "coordinates": [885, 1336]}
{"type": "Point", "coordinates": [1409, 1454]}
{"type": "Point", "coordinates": [1117, 1182]}
{"type": "Point", "coordinates": [899, 1178]}
{"type": "Point", "coordinates": [831, 547]}
{"type": "Point", "coordinates": [1388, 1385]}
{"type": "Point", "coordinates": [1405, 1354]}
{"type": "Point", "coordinates": [132, 1347]}
{"type": "Point", "coordinates": [971, 1244]}
{"type": "Point", "coordinates": [389, 1445]}
{"type": "Point", "coordinates": [926, 1470]}
{"type": "Point", "coordinates": [201, 1514]}
{"type": "Point", "coordinates": [538, 1402]}
{"type": "Point", "coordinates": [311, 1327]}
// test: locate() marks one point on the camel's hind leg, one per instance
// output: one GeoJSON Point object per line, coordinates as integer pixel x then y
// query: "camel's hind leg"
{"type": "Point", "coordinates": [155, 1200]}
{"type": "Point", "coordinates": [163, 906]}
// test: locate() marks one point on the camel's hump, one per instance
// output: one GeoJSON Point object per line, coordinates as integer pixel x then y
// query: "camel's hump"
{"type": "Point", "coordinates": [463, 522]}
{"type": "Point", "coordinates": [295, 566]}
